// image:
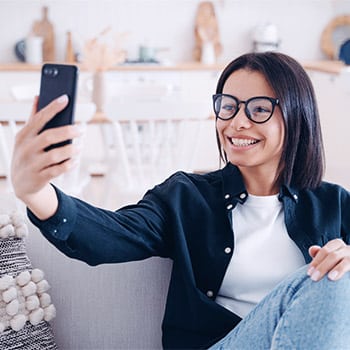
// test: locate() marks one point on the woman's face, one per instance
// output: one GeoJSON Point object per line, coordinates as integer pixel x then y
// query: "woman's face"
{"type": "Point", "coordinates": [247, 144]}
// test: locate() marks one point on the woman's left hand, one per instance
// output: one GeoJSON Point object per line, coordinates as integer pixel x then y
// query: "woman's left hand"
{"type": "Point", "coordinates": [333, 260]}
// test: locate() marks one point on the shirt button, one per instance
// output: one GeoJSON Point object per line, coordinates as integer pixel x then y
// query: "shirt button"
{"type": "Point", "coordinates": [210, 293]}
{"type": "Point", "coordinates": [227, 250]}
{"type": "Point", "coordinates": [54, 231]}
{"type": "Point", "coordinates": [64, 220]}
{"type": "Point", "coordinates": [242, 195]}
{"type": "Point", "coordinates": [295, 196]}
{"type": "Point", "coordinates": [230, 206]}
{"type": "Point", "coordinates": [227, 196]}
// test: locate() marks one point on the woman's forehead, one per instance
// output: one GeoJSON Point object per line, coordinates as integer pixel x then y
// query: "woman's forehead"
{"type": "Point", "coordinates": [245, 83]}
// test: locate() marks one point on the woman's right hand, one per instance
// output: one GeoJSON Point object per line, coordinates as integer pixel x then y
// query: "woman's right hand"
{"type": "Point", "coordinates": [32, 167]}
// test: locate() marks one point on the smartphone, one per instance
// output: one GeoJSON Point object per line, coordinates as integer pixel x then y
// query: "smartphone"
{"type": "Point", "coordinates": [57, 80]}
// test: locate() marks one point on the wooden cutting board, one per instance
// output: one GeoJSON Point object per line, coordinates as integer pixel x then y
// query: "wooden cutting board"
{"type": "Point", "coordinates": [45, 29]}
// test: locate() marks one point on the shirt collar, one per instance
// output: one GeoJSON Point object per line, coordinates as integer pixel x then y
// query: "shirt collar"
{"type": "Point", "coordinates": [288, 191]}
{"type": "Point", "coordinates": [236, 190]}
{"type": "Point", "coordinates": [233, 185]}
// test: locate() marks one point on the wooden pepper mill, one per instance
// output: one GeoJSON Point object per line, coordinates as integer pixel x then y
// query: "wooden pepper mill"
{"type": "Point", "coordinates": [45, 29]}
{"type": "Point", "coordinates": [206, 31]}
{"type": "Point", "coordinates": [70, 56]}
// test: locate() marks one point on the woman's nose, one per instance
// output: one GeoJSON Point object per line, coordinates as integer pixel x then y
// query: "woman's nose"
{"type": "Point", "coordinates": [240, 120]}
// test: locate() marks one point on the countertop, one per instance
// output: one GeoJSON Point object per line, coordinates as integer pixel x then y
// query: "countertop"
{"type": "Point", "coordinates": [126, 67]}
{"type": "Point", "coordinates": [332, 67]}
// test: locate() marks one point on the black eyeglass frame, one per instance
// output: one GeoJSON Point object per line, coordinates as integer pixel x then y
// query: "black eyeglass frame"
{"type": "Point", "coordinates": [274, 102]}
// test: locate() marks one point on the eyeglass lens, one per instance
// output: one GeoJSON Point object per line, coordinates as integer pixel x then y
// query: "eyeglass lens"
{"type": "Point", "coordinates": [257, 109]}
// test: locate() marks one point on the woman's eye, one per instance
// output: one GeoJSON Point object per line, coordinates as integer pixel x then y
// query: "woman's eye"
{"type": "Point", "coordinates": [261, 109]}
{"type": "Point", "coordinates": [228, 107]}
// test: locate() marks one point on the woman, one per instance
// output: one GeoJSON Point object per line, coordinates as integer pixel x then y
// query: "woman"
{"type": "Point", "coordinates": [235, 234]}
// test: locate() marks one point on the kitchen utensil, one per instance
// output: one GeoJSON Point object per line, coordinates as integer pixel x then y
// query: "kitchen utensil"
{"type": "Point", "coordinates": [45, 29]}
{"type": "Point", "coordinates": [20, 50]}
{"type": "Point", "coordinates": [30, 50]}
{"type": "Point", "coordinates": [265, 38]}
{"type": "Point", "coordinates": [344, 52]}
{"type": "Point", "coordinates": [148, 54]}
{"type": "Point", "coordinates": [208, 53]}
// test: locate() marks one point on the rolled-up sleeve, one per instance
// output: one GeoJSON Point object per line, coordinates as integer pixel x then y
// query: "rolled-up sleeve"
{"type": "Point", "coordinates": [60, 225]}
{"type": "Point", "coordinates": [345, 215]}
{"type": "Point", "coordinates": [97, 235]}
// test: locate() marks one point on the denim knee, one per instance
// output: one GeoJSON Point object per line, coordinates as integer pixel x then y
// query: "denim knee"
{"type": "Point", "coordinates": [330, 290]}
{"type": "Point", "coordinates": [317, 316]}
{"type": "Point", "coordinates": [325, 287]}
{"type": "Point", "coordinates": [329, 299]}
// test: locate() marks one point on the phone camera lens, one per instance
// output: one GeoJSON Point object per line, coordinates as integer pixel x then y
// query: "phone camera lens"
{"type": "Point", "coordinates": [51, 72]}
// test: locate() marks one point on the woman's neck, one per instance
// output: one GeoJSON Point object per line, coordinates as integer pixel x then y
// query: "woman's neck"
{"type": "Point", "coordinates": [260, 183]}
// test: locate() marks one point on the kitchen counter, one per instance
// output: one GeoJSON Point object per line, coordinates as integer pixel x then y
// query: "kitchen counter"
{"type": "Point", "coordinates": [332, 67]}
{"type": "Point", "coordinates": [190, 66]}
{"type": "Point", "coordinates": [326, 66]}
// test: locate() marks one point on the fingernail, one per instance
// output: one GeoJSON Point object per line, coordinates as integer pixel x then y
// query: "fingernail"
{"type": "Point", "coordinates": [315, 275]}
{"type": "Point", "coordinates": [333, 275]}
{"type": "Point", "coordinates": [74, 162]}
{"type": "Point", "coordinates": [62, 99]}
{"type": "Point", "coordinates": [78, 147]}
{"type": "Point", "coordinates": [80, 129]}
{"type": "Point", "coordinates": [310, 270]}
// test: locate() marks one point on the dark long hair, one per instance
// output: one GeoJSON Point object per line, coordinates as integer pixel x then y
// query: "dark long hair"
{"type": "Point", "coordinates": [302, 160]}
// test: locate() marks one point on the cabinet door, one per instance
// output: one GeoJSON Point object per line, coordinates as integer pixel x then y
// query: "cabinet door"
{"type": "Point", "coordinates": [159, 94]}
{"type": "Point", "coordinates": [19, 86]}
{"type": "Point", "coordinates": [333, 96]}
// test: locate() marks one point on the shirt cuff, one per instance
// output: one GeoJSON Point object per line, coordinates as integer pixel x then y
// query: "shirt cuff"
{"type": "Point", "coordinates": [61, 224]}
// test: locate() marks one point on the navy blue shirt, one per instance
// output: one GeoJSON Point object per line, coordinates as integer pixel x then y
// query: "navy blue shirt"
{"type": "Point", "coordinates": [188, 219]}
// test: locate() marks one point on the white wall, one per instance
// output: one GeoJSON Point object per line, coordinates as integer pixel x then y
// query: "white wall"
{"type": "Point", "coordinates": [169, 23]}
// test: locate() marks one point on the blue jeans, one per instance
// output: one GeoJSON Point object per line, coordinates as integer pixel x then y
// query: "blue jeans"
{"type": "Point", "coordinates": [298, 314]}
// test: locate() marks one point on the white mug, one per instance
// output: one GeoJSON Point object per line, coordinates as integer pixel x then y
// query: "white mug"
{"type": "Point", "coordinates": [208, 53]}
{"type": "Point", "coordinates": [34, 50]}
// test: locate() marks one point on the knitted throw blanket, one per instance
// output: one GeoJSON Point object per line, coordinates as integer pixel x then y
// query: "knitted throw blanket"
{"type": "Point", "coordinates": [25, 305]}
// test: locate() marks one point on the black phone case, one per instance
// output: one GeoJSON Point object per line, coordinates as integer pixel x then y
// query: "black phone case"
{"type": "Point", "coordinates": [57, 80]}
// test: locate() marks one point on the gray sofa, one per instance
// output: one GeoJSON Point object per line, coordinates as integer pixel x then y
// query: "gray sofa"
{"type": "Point", "coordinates": [117, 306]}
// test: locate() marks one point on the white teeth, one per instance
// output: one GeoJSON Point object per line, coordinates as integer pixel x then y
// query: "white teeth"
{"type": "Point", "coordinates": [243, 142]}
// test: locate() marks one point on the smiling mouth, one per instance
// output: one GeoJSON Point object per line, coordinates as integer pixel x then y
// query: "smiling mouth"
{"type": "Point", "coordinates": [243, 142]}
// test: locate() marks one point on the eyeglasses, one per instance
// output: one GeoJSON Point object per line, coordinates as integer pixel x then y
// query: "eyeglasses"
{"type": "Point", "coordinates": [258, 109]}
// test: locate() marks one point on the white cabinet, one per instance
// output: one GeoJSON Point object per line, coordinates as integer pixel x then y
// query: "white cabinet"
{"type": "Point", "coordinates": [333, 96]}
{"type": "Point", "coordinates": [187, 92]}
{"type": "Point", "coordinates": [159, 94]}
{"type": "Point", "coordinates": [129, 95]}
{"type": "Point", "coordinates": [167, 95]}
{"type": "Point", "coordinates": [13, 80]}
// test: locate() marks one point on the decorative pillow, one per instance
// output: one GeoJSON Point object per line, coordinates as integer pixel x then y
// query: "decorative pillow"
{"type": "Point", "coordinates": [25, 305]}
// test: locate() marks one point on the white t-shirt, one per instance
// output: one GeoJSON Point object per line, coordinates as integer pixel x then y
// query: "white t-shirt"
{"type": "Point", "coordinates": [263, 254]}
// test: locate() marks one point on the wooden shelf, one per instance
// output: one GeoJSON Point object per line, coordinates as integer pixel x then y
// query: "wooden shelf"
{"type": "Point", "coordinates": [190, 66]}
{"type": "Point", "coordinates": [326, 66]}
{"type": "Point", "coordinates": [333, 67]}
